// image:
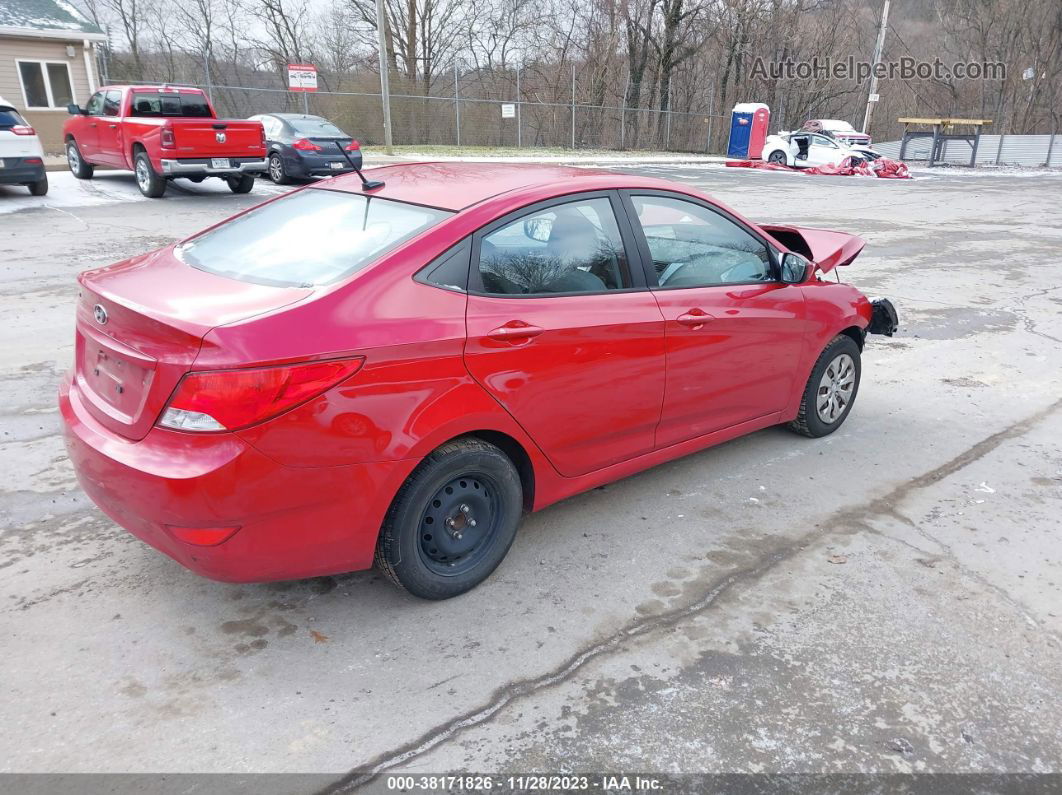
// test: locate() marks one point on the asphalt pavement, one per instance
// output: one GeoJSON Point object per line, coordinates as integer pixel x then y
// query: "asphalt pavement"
{"type": "Point", "coordinates": [884, 600]}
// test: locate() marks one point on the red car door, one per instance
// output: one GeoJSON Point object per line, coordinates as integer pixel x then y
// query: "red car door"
{"type": "Point", "coordinates": [109, 140]}
{"type": "Point", "coordinates": [563, 332]}
{"type": "Point", "coordinates": [733, 332]}
{"type": "Point", "coordinates": [86, 128]}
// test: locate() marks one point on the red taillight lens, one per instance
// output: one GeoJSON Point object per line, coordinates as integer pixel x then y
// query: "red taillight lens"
{"type": "Point", "coordinates": [22, 129]}
{"type": "Point", "coordinates": [168, 141]}
{"type": "Point", "coordinates": [221, 400]}
{"type": "Point", "coordinates": [306, 145]}
{"type": "Point", "coordinates": [263, 137]}
{"type": "Point", "coordinates": [353, 146]}
{"type": "Point", "coordinates": [33, 161]}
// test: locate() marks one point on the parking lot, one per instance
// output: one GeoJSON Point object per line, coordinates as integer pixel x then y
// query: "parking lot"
{"type": "Point", "coordinates": [887, 599]}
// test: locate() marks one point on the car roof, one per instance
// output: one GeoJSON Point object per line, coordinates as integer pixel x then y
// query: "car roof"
{"type": "Point", "coordinates": [294, 116]}
{"type": "Point", "coordinates": [457, 185]}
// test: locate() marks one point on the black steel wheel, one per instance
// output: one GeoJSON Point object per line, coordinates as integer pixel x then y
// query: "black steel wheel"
{"type": "Point", "coordinates": [453, 520]}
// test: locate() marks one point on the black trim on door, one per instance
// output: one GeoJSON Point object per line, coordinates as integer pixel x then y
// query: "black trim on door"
{"type": "Point", "coordinates": [634, 266]}
{"type": "Point", "coordinates": [646, 257]}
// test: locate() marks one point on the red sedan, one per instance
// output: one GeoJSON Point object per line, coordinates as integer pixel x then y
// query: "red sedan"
{"type": "Point", "coordinates": [358, 372]}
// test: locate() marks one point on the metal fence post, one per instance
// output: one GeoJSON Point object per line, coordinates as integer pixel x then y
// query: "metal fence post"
{"type": "Point", "coordinates": [572, 104]}
{"type": "Point", "coordinates": [457, 104]}
{"type": "Point", "coordinates": [999, 149]}
{"type": "Point", "coordinates": [1050, 149]}
{"type": "Point", "coordinates": [623, 112]}
{"type": "Point", "coordinates": [519, 130]}
{"type": "Point", "coordinates": [667, 133]}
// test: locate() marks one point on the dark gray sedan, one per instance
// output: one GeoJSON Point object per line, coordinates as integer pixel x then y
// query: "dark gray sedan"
{"type": "Point", "coordinates": [301, 146]}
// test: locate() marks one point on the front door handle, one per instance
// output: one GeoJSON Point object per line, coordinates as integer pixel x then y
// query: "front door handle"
{"type": "Point", "coordinates": [693, 319]}
{"type": "Point", "coordinates": [513, 331]}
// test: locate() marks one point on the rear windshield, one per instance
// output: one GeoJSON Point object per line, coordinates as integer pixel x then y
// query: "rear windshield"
{"type": "Point", "coordinates": [312, 127]}
{"type": "Point", "coordinates": [9, 118]}
{"type": "Point", "coordinates": [193, 105]}
{"type": "Point", "coordinates": [307, 238]}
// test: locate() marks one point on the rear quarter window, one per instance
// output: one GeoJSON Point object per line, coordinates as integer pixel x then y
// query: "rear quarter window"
{"type": "Point", "coordinates": [307, 238]}
{"type": "Point", "coordinates": [9, 118]}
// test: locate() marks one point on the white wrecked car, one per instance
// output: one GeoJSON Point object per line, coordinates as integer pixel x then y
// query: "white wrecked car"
{"type": "Point", "coordinates": [806, 149]}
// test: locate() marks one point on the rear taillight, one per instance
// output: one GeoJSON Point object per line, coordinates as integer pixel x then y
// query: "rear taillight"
{"type": "Point", "coordinates": [353, 146]}
{"type": "Point", "coordinates": [33, 161]}
{"type": "Point", "coordinates": [22, 129]}
{"type": "Point", "coordinates": [227, 400]}
{"type": "Point", "coordinates": [262, 136]}
{"type": "Point", "coordinates": [168, 141]}
{"type": "Point", "coordinates": [306, 145]}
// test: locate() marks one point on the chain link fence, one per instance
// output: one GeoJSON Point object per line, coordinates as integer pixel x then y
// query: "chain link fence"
{"type": "Point", "coordinates": [471, 121]}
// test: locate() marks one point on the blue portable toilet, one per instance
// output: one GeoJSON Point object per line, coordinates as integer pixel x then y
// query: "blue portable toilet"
{"type": "Point", "coordinates": [748, 129]}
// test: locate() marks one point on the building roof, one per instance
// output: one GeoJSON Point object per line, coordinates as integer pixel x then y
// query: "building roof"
{"type": "Point", "coordinates": [48, 18]}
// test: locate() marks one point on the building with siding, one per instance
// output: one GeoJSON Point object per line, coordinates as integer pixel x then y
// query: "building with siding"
{"type": "Point", "coordinates": [47, 61]}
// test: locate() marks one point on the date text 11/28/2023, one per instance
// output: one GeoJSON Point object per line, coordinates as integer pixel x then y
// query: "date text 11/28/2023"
{"type": "Point", "coordinates": [535, 782]}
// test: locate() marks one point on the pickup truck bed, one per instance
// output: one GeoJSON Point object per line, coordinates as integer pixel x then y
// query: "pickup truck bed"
{"type": "Point", "coordinates": [160, 134]}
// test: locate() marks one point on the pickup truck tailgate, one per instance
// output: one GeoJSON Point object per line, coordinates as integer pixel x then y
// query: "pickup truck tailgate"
{"type": "Point", "coordinates": [217, 137]}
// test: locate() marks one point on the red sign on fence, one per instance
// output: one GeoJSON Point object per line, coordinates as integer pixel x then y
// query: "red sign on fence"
{"type": "Point", "coordinates": [302, 77]}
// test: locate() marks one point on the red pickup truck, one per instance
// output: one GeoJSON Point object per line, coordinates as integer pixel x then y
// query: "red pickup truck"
{"type": "Point", "coordinates": [161, 133]}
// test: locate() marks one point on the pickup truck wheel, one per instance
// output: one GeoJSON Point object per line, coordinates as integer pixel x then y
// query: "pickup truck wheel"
{"type": "Point", "coordinates": [240, 184]}
{"type": "Point", "coordinates": [78, 166]}
{"type": "Point", "coordinates": [831, 390]}
{"type": "Point", "coordinates": [276, 171]}
{"type": "Point", "coordinates": [150, 183]}
{"type": "Point", "coordinates": [40, 187]}
{"type": "Point", "coordinates": [452, 521]}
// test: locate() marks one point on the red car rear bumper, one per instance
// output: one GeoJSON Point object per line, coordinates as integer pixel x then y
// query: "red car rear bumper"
{"type": "Point", "coordinates": [293, 522]}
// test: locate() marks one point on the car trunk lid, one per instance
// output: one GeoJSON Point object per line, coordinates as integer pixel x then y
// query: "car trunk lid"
{"type": "Point", "coordinates": [826, 248]}
{"type": "Point", "coordinates": [140, 326]}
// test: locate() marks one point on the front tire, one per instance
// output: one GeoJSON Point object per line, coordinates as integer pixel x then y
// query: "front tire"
{"type": "Point", "coordinates": [831, 390]}
{"type": "Point", "coordinates": [151, 184]}
{"type": "Point", "coordinates": [240, 184]}
{"type": "Point", "coordinates": [78, 167]}
{"type": "Point", "coordinates": [40, 187]}
{"type": "Point", "coordinates": [453, 520]}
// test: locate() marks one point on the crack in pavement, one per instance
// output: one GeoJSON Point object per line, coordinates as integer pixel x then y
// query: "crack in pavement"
{"type": "Point", "coordinates": [849, 520]}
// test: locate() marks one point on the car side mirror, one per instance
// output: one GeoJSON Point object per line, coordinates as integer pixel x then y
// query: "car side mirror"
{"type": "Point", "coordinates": [74, 110]}
{"type": "Point", "coordinates": [794, 268]}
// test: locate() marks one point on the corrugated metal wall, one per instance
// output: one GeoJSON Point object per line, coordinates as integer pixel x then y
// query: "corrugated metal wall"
{"type": "Point", "coordinates": [1017, 150]}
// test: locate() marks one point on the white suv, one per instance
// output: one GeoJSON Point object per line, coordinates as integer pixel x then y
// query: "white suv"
{"type": "Point", "coordinates": [21, 155]}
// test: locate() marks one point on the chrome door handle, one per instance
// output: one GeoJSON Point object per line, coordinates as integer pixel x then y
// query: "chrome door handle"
{"type": "Point", "coordinates": [515, 330]}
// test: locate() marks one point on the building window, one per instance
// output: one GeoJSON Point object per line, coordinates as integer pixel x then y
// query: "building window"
{"type": "Point", "coordinates": [46, 84]}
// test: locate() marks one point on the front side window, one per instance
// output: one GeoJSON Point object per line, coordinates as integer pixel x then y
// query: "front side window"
{"type": "Point", "coordinates": [112, 103]}
{"type": "Point", "coordinates": [175, 104]}
{"type": "Point", "coordinates": [693, 246]}
{"type": "Point", "coordinates": [308, 238]}
{"type": "Point", "coordinates": [95, 104]}
{"type": "Point", "coordinates": [46, 84]}
{"type": "Point", "coordinates": [567, 248]}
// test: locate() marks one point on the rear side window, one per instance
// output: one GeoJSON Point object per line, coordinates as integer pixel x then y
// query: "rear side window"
{"type": "Point", "coordinates": [9, 118]}
{"type": "Point", "coordinates": [185, 105]}
{"type": "Point", "coordinates": [307, 238]}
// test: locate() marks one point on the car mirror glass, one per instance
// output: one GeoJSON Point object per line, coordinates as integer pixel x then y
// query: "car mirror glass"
{"type": "Point", "coordinates": [538, 229]}
{"type": "Point", "coordinates": [794, 268]}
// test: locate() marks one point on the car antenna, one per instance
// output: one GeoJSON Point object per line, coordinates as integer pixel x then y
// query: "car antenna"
{"type": "Point", "coordinates": [366, 184]}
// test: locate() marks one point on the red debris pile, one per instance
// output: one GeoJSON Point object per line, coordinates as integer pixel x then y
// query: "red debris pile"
{"type": "Point", "coordinates": [883, 167]}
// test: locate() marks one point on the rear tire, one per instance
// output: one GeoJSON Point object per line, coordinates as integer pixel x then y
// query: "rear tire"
{"type": "Point", "coordinates": [151, 184]}
{"type": "Point", "coordinates": [453, 520]}
{"type": "Point", "coordinates": [276, 170]}
{"type": "Point", "coordinates": [777, 157]}
{"type": "Point", "coordinates": [40, 187]}
{"type": "Point", "coordinates": [78, 167]}
{"type": "Point", "coordinates": [831, 389]}
{"type": "Point", "coordinates": [240, 184]}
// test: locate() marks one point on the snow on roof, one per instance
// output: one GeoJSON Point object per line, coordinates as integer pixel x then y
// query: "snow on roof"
{"type": "Point", "coordinates": [44, 15]}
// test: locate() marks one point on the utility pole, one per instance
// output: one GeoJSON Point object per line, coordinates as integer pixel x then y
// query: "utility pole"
{"type": "Point", "coordinates": [872, 97]}
{"type": "Point", "coordinates": [573, 104]}
{"type": "Point", "coordinates": [519, 127]}
{"type": "Point", "coordinates": [457, 104]}
{"type": "Point", "coordinates": [385, 91]}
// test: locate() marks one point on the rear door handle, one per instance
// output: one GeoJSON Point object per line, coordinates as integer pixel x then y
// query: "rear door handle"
{"type": "Point", "coordinates": [112, 126]}
{"type": "Point", "coordinates": [513, 331]}
{"type": "Point", "coordinates": [694, 319]}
